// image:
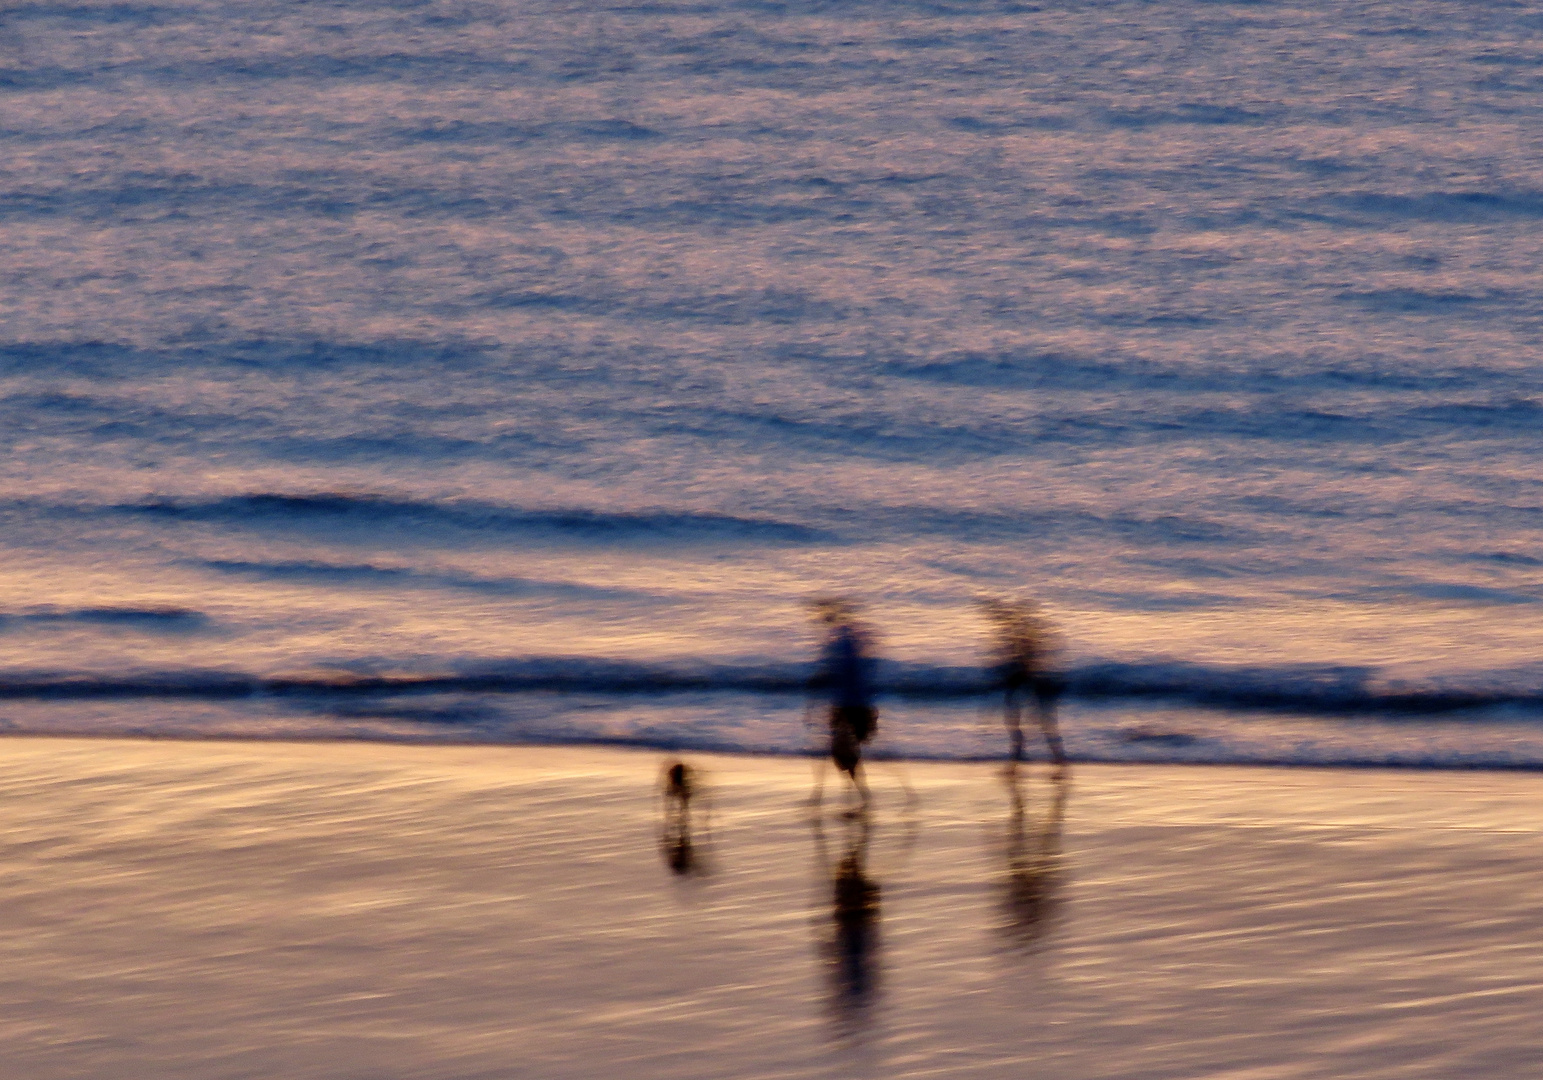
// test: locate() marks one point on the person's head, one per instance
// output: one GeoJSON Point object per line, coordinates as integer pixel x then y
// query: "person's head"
{"type": "Point", "coordinates": [832, 610]}
{"type": "Point", "coordinates": [1018, 623]}
{"type": "Point", "coordinates": [1008, 612]}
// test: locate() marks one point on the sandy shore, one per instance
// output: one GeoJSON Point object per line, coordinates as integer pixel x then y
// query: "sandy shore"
{"type": "Point", "coordinates": [178, 909]}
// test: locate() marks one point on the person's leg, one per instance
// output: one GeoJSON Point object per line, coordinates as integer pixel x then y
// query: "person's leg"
{"type": "Point", "coordinates": [844, 751]}
{"type": "Point", "coordinates": [1012, 717]}
{"type": "Point", "coordinates": [818, 760]}
{"type": "Point", "coordinates": [1045, 710]}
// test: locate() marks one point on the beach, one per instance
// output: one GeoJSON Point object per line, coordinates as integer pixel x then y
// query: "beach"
{"type": "Point", "coordinates": [422, 424]}
{"type": "Point", "coordinates": [340, 910]}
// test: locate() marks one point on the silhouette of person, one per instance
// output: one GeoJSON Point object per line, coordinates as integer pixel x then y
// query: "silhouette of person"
{"type": "Point", "coordinates": [1033, 878]}
{"type": "Point", "coordinates": [844, 676]}
{"type": "Point", "coordinates": [851, 941]}
{"type": "Point", "coordinates": [1025, 666]}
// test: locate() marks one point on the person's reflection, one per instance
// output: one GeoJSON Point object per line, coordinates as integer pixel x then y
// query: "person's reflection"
{"type": "Point", "coordinates": [1030, 889]}
{"type": "Point", "coordinates": [851, 938]}
{"type": "Point", "coordinates": [678, 787]}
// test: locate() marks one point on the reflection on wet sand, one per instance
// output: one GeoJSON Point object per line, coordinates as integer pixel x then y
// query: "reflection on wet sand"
{"type": "Point", "coordinates": [850, 939]}
{"type": "Point", "coordinates": [857, 847]}
{"type": "Point", "coordinates": [1030, 890]}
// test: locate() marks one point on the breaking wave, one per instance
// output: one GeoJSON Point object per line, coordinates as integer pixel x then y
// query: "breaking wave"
{"type": "Point", "coordinates": [157, 619]}
{"type": "Point", "coordinates": [334, 509]}
{"type": "Point", "coordinates": [1299, 689]}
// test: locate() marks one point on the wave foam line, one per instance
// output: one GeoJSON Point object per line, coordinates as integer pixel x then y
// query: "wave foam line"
{"type": "Point", "coordinates": [1342, 691]}
{"type": "Point", "coordinates": [332, 509]}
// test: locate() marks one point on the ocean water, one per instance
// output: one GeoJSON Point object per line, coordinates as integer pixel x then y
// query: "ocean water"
{"type": "Point", "coordinates": [519, 371]}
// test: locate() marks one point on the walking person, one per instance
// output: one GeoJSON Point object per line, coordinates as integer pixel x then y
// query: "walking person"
{"type": "Point", "coordinates": [844, 677]}
{"type": "Point", "coordinates": [1025, 666]}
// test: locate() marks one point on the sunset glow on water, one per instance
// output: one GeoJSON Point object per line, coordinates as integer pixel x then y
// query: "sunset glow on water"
{"type": "Point", "coordinates": [547, 359]}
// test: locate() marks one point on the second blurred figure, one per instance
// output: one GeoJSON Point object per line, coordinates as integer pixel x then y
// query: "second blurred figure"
{"type": "Point", "coordinates": [1026, 664]}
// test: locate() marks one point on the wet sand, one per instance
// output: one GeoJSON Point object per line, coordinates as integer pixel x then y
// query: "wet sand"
{"type": "Point", "coordinates": [184, 909]}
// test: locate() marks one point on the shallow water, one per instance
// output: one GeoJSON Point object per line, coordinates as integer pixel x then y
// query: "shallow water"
{"type": "Point", "coordinates": [447, 341]}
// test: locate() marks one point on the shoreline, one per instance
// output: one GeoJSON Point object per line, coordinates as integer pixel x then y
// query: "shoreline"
{"type": "Point", "coordinates": [450, 742]}
{"type": "Point", "coordinates": [716, 723]}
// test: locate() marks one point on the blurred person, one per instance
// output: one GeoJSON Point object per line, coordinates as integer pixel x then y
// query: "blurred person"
{"type": "Point", "coordinates": [844, 677]}
{"type": "Point", "coordinates": [1025, 665]}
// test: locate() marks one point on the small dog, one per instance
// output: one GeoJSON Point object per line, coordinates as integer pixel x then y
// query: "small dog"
{"type": "Point", "coordinates": [677, 785]}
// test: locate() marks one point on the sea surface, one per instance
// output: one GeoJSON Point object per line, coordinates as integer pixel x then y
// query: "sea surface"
{"type": "Point", "coordinates": [520, 371]}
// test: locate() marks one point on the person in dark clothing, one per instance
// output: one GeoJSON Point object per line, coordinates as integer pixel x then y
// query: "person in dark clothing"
{"type": "Point", "coordinates": [844, 677]}
{"type": "Point", "coordinates": [1025, 666]}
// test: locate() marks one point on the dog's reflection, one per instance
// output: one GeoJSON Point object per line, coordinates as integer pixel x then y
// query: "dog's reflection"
{"type": "Point", "coordinates": [850, 938]}
{"type": "Point", "coordinates": [679, 788]}
{"type": "Point", "coordinates": [1031, 888]}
